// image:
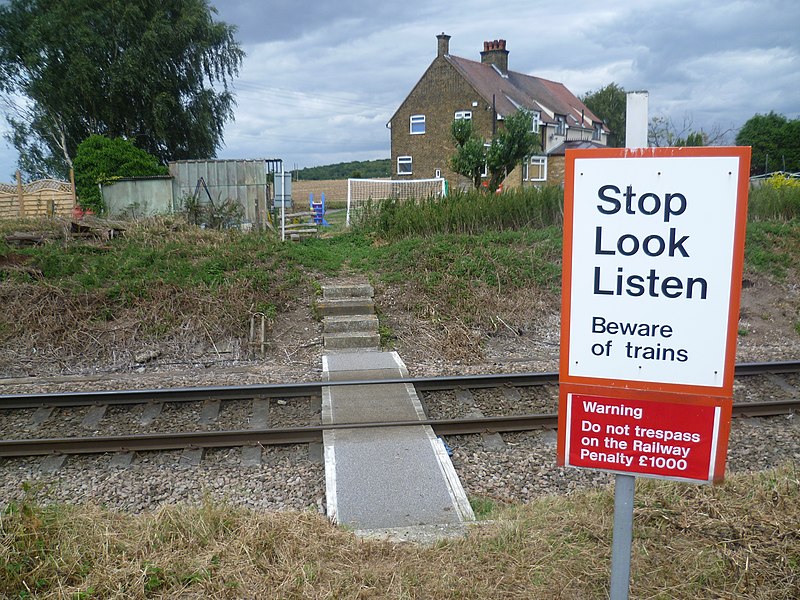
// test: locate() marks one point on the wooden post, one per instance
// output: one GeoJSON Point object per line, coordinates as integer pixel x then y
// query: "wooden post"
{"type": "Point", "coordinates": [20, 197]}
{"type": "Point", "coordinates": [263, 335]}
{"type": "Point", "coordinates": [72, 181]}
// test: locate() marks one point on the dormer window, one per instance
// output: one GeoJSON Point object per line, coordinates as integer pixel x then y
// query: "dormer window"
{"type": "Point", "coordinates": [561, 125]}
{"type": "Point", "coordinates": [536, 120]}
{"type": "Point", "coordinates": [417, 124]}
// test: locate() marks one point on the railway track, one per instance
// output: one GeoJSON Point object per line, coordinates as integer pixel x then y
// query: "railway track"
{"type": "Point", "coordinates": [313, 433]}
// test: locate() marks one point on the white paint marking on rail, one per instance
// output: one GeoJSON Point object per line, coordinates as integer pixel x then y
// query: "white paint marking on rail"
{"type": "Point", "coordinates": [331, 502]}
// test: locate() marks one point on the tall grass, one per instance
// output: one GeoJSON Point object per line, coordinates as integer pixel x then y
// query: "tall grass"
{"type": "Point", "coordinates": [776, 199]}
{"type": "Point", "coordinates": [467, 213]}
{"type": "Point", "coordinates": [736, 540]}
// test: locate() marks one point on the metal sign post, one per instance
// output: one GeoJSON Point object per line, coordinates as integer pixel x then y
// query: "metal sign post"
{"type": "Point", "coordinates": [625, 485]}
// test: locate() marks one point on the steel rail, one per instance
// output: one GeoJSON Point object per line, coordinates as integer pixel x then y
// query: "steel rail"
{"type": "Point", "coordinates": [314, 388]}
{"type": "Point", "coordinates": [314, 433]}
{"type": "Point", "coordinates": [225, 439]}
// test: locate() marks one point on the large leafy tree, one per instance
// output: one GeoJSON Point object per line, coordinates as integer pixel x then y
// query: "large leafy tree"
{"type": "Point", "coordinates": [609, 103]}
{"type": "Point", "coordinates": [155, 72]}
{"type": "Point", "coordinates": [775, 142]}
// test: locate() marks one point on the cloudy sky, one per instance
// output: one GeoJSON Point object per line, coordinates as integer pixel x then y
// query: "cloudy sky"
{"type": "Point", "coordinates": [321, 79]}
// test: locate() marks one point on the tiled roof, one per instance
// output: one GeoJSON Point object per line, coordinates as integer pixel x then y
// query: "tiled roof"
{"type": "Point", "coordinates": [561, 149]}
{"type": "Point", "coordinates": [517, 90]}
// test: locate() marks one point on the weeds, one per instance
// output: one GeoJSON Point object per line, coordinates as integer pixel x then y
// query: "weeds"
{"type": "Point", "coordinates": [776, 199]}
{"type": "Point", "coordinates": [464, 213]}
{"type": "Point", "coordinates": [736, 540]}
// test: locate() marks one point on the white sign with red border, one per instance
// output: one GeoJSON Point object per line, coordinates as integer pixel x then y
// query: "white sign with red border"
{"type": "Point", "coordinates": [653, 252]}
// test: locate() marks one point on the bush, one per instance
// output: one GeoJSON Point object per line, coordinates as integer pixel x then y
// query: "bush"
{"type": "Point", "coordinates": [99, 159]}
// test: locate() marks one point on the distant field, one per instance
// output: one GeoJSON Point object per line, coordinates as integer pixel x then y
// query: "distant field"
{"type": "Point", "coordinates": [335, 190]}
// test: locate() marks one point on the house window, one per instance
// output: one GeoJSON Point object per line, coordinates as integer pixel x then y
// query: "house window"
{"type": "Point", "coordinates": [536, 120]}
{"type": "Point", "coordinates": [485, 172]}
{"type": "Point", "coordinates": [535, 169]}
{"type": "Point", "coordinates": [438, 173]}
{"type": "Point", "coordinates": [561, 125]}
{"type": "Point", "coordinates": [463, 114]}
{"type": "Point", "coordinates": [597, 133]}
{"type": "Point", "coordinates": [404, 165]}
{"type": "Point", "coordinates": [417, 124]}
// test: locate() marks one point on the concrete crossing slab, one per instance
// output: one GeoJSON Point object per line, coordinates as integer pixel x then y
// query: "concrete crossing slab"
{"type": "Point", "coordinates": [383, 477]}
{"type": "Point", "coordinates": [390, 477]}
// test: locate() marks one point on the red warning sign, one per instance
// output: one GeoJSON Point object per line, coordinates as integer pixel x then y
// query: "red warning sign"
{"type": "Point", "coordinates": [677, 440]}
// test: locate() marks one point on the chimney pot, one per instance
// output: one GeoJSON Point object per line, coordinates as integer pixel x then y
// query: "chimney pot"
{"type": "Point", "coordinates": [495, 53]}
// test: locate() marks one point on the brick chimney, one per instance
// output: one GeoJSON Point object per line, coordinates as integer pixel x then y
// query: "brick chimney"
{"type": "Point", "coordinates": [495, 53]}
{"type": "Point", "coordinates": [444, 44]}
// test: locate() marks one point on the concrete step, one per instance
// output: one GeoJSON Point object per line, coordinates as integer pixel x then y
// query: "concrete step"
{"type": "Point", "coordinates": [342, 291]}
{"type": "Point", "coordinates": [352, 323]}
{"type": "Point", "coordinates": [354, 340]}
{"type": "Point", "coordinates": [347, 306]}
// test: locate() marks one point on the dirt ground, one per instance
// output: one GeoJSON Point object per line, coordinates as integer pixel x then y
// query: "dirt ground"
{"type": "Point", "coordinates": [524, 337]}
{"type": "Point", "coordinates": [768, 331]}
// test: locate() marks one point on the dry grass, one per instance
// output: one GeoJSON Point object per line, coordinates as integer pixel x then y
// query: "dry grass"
{"type": "Point", "coordinates": [738, 540]}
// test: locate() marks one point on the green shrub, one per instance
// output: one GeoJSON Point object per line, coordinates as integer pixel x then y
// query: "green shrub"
{"type": "Point", "coordinates": [99, 159]}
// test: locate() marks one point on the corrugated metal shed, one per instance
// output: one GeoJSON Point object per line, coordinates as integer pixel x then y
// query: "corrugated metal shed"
{"type": "Point", "coordinates": [242, 181]}
{"type": "Point", "coordinates": [138, 196]}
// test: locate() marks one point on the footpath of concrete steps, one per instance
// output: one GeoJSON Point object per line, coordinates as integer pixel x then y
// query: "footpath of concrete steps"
{"type": "Point", "coordinates": [379, 478]}
{"type": "Point", "coordinates": [349, 321]}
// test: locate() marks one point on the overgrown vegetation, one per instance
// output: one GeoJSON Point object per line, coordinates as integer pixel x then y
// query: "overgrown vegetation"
{"type": "Point", "coordinates": [777, 198]}
{"type": "Point", "coordinates": [740, 539]}
{"type": "Point", "coordinates": [99, 159]}
{"type": "Point", "coordinates": [461, 265]}
{"type": "Point", "coordinates": [465, 213]}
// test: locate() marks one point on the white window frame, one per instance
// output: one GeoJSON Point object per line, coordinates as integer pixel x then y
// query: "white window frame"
{"type": "Point", "coordinates": [540, 162]}
{"type": "Point", "coordinates": [485, 172]}
{"type": "Point", "coordinates": [418, 121]}
{"type": "Point", "coordinates": [405, 160]}
{"type": "Point", "coordinates": [561, 125]}
{"type": "Point", "coordinates": [536, 121]}
{"type": "Point", "coordinates": [597, 133]}
{"type": "Point", "coordinates": [466, 115]}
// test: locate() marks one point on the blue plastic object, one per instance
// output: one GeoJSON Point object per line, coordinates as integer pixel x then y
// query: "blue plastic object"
{"type": "Point", "coordinates": [319, 210]}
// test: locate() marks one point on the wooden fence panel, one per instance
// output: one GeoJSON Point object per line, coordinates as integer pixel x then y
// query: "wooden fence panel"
{"type": "Point", "coordinates": [42, 198]}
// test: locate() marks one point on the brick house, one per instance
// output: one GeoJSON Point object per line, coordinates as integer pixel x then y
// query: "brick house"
{"type": "Point", "coordinates": [486, 92]}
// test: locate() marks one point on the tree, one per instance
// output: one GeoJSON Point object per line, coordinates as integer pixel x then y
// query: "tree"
{"type": "Point", "coordinates": [99, 159]}
{"type": "Point", "coordinates": [664, 131]}
{"type": "Point", "coordinates": [155, 72]}
{"type": "Point", "coordinates": [775, 142]}
{"type": "Point", "coordinates": [514, 142]}
{"type": "Point", "coordinates": [609, 103]}
{"type": "Point", "coordinates": [470, 157]}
